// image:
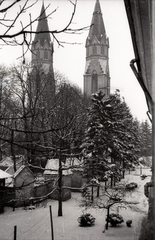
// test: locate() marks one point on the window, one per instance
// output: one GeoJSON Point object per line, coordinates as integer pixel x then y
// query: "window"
{"type": "Point", "coordinates": [102, 49]}
{"type": "Point", "coordinates": [46, 54]}
{"type": "Point", "coordinates": [94, 49]}
{"type": "Point", "coordinates": [94, 82]}
{"type": "Point", "coordinates": [38, 54]}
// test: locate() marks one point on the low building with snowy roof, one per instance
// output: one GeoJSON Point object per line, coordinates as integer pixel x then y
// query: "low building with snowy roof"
{"type": "Point", "coordinates": [5, 178]}
{"type": "Point", "coordinates": [52, 167]}
{"type": "Point", "coordinates": [24, 183]}
{"type": "Point", "coordinates": [76, 166]}
{"type": "Point", "coordinates": [7, 164]}
{"type": "Point", "coordinates": [51, 173]}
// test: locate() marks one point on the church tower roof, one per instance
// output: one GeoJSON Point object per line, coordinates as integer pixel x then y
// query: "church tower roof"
{"type": "Point", "coordinates": [42, 26]}
{"type": "Point", "coordinates": [97, 25]}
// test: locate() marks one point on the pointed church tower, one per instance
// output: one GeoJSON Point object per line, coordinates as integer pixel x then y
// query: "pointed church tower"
{"type": "Point", "coordinates": [42, 46]}
{"type": "Point", "coordinates": [42, 62]}
{"type": "Point", "coordinates": [96, 76]}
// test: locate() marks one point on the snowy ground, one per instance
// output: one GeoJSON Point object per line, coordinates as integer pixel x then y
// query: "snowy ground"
{"type": "Point", "coordinates": [35, 224]}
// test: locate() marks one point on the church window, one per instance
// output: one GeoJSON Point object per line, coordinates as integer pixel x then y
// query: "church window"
{"type": "Point", "coordinates": [102, 49]}
{"type": "Point", "coordinates": [94, 49]}
{"type": "Point", "coordinates": [38, 54]}
{"type": "Point", "coordinates": [94, 82]}
{"type": "Point", "coordinates": [106, 51]}
{"type": "Point", "coordinates": [46, 54]}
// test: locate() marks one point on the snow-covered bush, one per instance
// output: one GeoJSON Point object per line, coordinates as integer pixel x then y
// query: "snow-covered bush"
{"type": "Point", "coordinates": [128, 223]}
{"type": "Point", "coordinates": [131, 186]}
{"type": "Point", "coordinates": [143, 176]}
{"type": "Point", "coordinates": [86, 220]}
{"type": "Point", "coordinates": [114, 219]}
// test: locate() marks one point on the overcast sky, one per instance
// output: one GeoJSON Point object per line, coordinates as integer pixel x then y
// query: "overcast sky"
{"type": "Point", "coordinates": [70, 59]}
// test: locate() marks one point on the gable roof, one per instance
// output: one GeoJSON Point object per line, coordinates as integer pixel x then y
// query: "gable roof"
{"type": "Point", "coordinates": [4, 175]}
{"type": "Point", "coordinates": [8, 162]}
{"type": "Point", "coordinates": [75, 163]}
{"type": "Point", "coordinates": [20, 170]}
{"type": "Point", "coordinates": [53, 164]}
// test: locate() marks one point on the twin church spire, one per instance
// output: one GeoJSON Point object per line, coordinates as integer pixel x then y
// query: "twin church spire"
{"type": "Point", "coordinates": [96, 75]}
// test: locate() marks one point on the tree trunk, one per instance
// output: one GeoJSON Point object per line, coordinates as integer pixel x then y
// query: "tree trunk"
{"type": "Point", "coordinates": [123, 174]}
{"type": "Point", "coordinates": [123, 169]}
{"type": "Point", "coordinates": [12, 151]}
{"type": "Point", "coordinates": [108, 212]}
{"type": "Point", "coordinates": [98, 191]}
{"type": "Point", "coordinates": [105, 185]}
{"type": "Point", "coordinates": [1, 156]}
{"type": "Point", "coordinates": [111, 184]}
{"type": "Point", "coordinates": [92, 193]}
{"type": "Point", "coordinates": [60, 187]}
{"type": "Point", "coordinates": [114, 181]}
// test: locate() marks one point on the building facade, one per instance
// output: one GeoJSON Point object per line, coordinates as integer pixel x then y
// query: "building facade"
{"type": "Point", "coordinates": [97, 76]}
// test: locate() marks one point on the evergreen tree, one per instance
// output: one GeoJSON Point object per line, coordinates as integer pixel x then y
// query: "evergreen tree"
{"type": "Point", "coordinates": [111, 140]}
{"type": "Point", "coordinates": [146, 139]}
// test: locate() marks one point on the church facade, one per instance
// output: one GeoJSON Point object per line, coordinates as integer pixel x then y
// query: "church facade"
{"type": "Point", "coordinates": [96, 75]}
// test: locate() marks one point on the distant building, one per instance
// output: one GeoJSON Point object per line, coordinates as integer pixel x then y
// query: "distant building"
{"type": "Point", "coordinates": [42, 62]}
{"type": "Point", "coordinates": [41, 85]}
{"type": "Point", "coordinates": [42, 46]}
{"type": "Point", "coordinates": [96, 75]}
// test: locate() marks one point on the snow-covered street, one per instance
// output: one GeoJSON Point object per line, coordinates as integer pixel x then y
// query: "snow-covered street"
{"type": "Point", "coordinates": [35, 224]}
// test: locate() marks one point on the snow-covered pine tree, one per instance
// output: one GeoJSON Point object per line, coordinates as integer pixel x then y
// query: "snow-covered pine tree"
{"type": "Point", "coordinates": [110, 143]}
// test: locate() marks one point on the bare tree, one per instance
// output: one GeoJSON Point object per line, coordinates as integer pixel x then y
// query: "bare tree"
{"type": "Point", "coordinates": [119, 195]}
{"type": "Point", "coordinates": [14, 31]}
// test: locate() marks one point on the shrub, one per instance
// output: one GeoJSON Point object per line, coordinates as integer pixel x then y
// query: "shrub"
{"type": "Point", "coordinates": [86, 220]}
{"type": "Point", "coordinates": [131, 186]}
{"type": "Point", "coordinates": [143, 176]}
{"type": "Point", "coordinates": [114, 219]}
{"type": "Point", "coordinates": [128, 223]}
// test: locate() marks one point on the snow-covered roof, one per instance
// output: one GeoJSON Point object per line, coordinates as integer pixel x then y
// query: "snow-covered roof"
{"type": "Point", "coordinates": [4, 175]}
{"type": "Point", "coordinates": [8, 162]}
{"type": "Point", "coordinates": [53, 164]}
{"type": "Point", "coordinates": [20, 169]}
{"type": "Point", "coordinates": [74, 162]}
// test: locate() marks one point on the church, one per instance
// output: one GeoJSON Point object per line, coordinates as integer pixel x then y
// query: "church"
{"type": "Point", "coordinates": [96, 75]}
{"type": "Point", "coordinates": [42, 61]}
